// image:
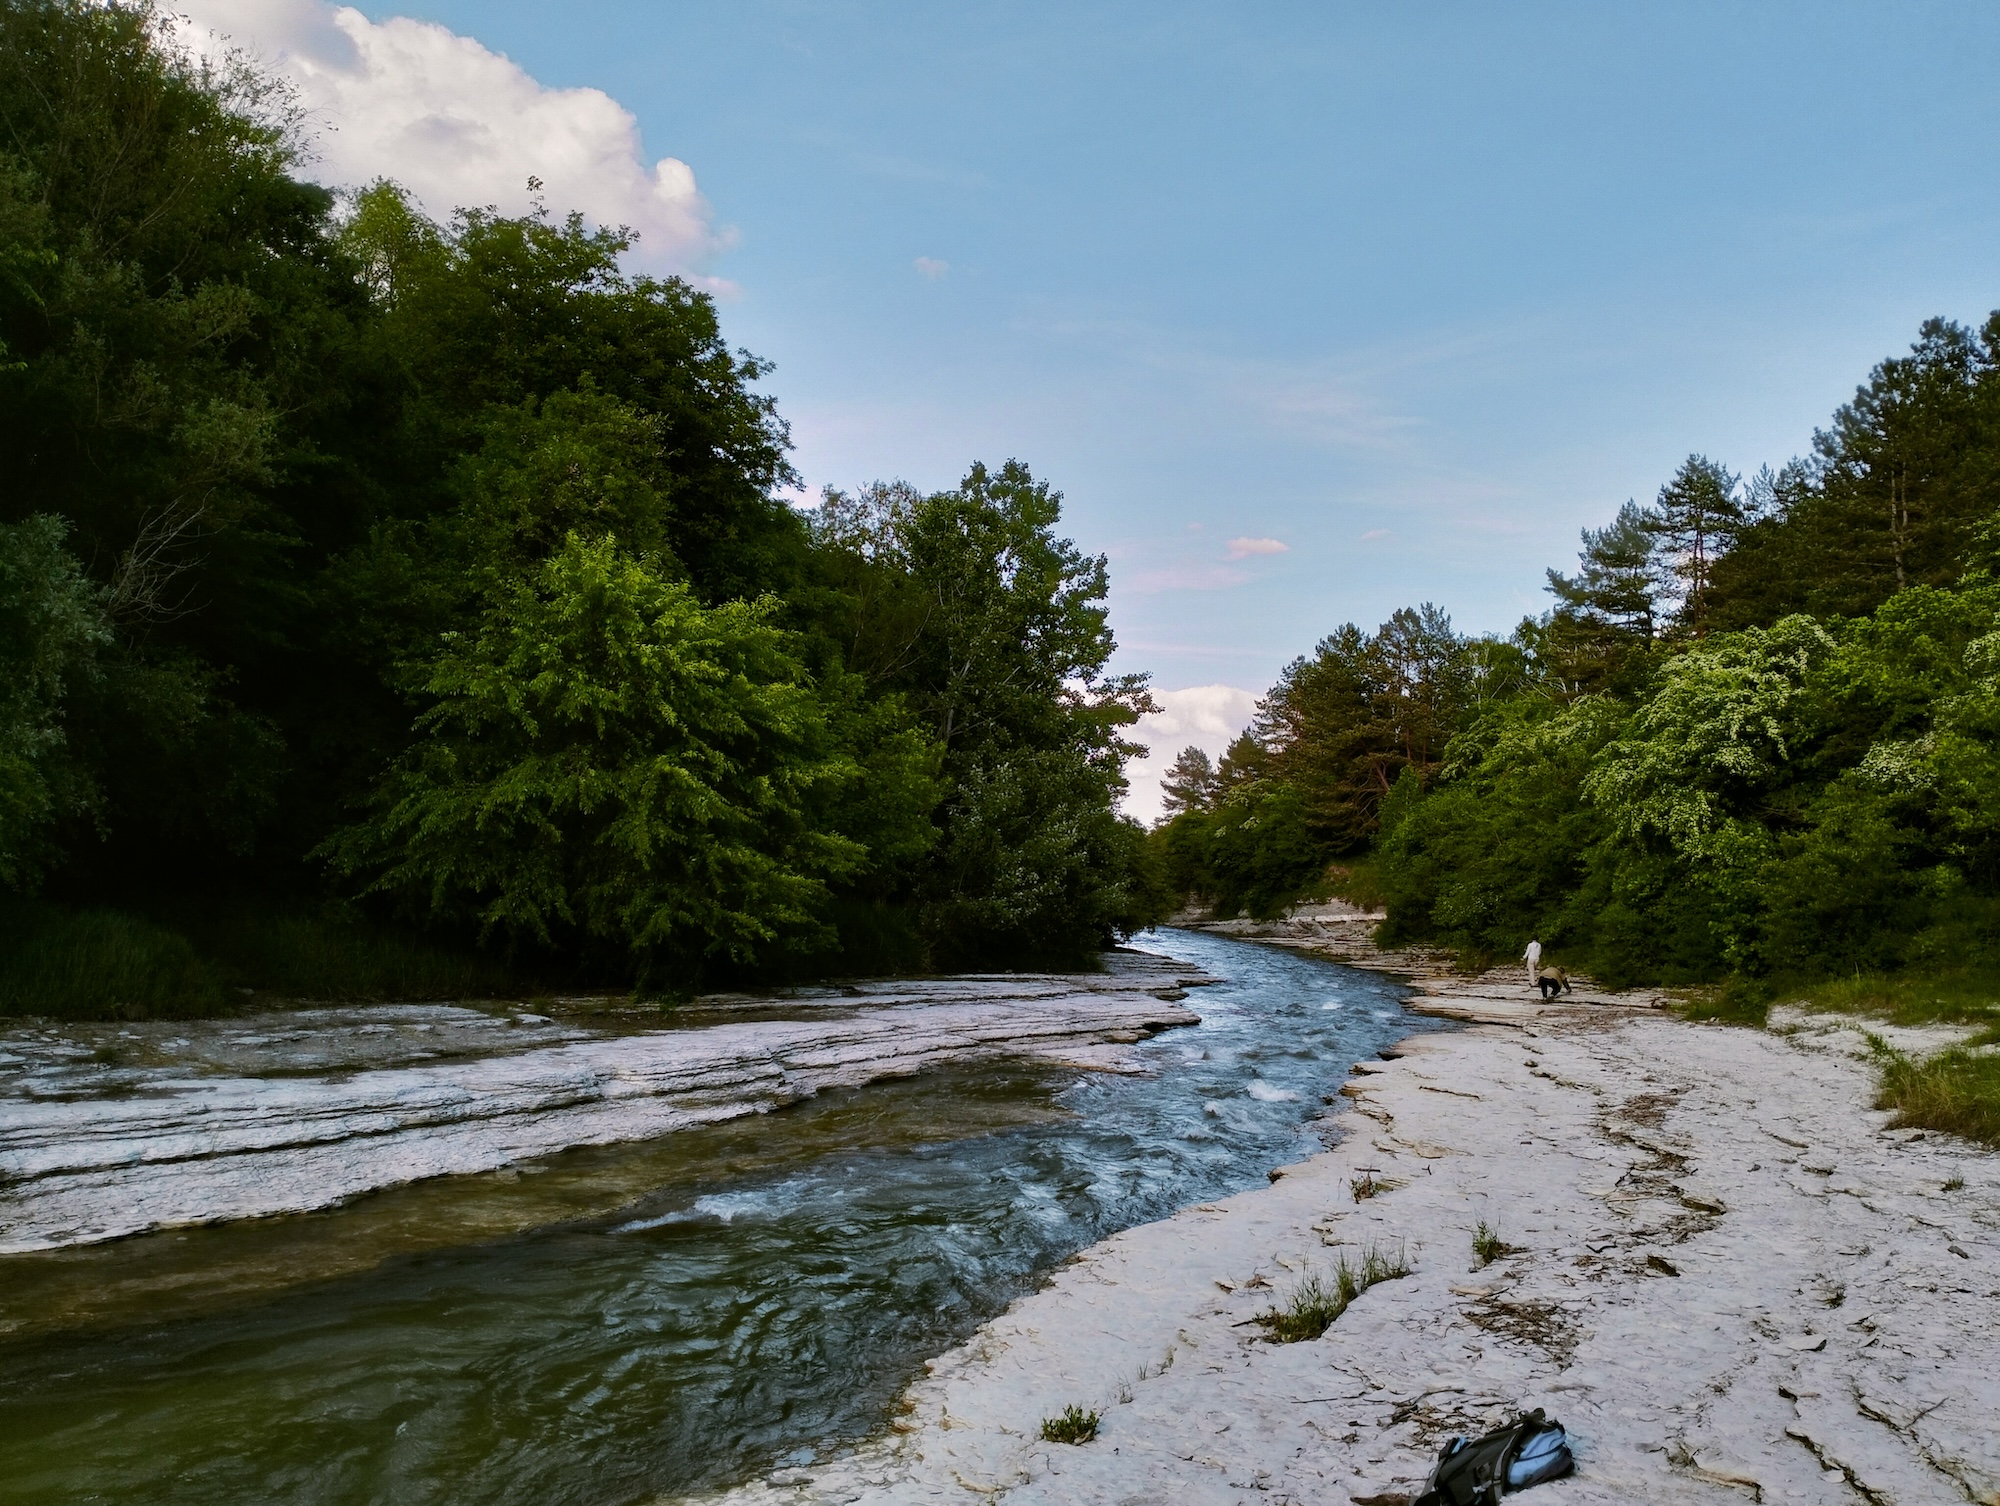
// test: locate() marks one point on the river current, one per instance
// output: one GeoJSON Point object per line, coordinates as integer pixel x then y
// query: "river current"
{"type": "Point", "coordinates": [621, 1323]}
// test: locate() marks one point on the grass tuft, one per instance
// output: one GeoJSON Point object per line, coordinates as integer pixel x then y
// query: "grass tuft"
{"type": "Point", "coordinates": [1075, 1425]}
{"type": "Point", "coordinates": [1953, 1183]}
{"type": "Point", "coordinates": [1488, 1246]}
{"type": "Point", "coordinates": [1366, 1186]}
{"type": "Point", "coordinates": [1956, 1091]}
{"type": "Point", "coordinates": [1317, 1301]}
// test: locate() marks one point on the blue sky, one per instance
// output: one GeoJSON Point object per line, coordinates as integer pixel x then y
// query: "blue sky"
{"type": "Point", "coordinates": [1414, 291]}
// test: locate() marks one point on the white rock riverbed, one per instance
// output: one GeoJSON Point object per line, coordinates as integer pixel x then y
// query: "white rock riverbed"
{"type": "Point", "coordinates": [110, 1131]}
{"type": "Point", "coordinates": [1726, 1277]}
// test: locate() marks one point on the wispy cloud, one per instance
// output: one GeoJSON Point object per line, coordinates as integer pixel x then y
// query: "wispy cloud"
{"type": "Point", "coordinates": [1187, 578]}
{"type": "Point", "coordinates": [1242, 549]}
{"type": "Point", "coordinates": [931, 268]}
{"type": "Point", "coordinates": [1375, 533]}
{"type": "Point", "coordinates": [1332, 402]}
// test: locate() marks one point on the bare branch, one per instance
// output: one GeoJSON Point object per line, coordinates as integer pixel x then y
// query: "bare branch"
{"type": "Point", "coordinates": [143, 588]}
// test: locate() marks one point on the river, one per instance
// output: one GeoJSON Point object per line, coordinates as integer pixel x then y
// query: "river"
{"type": "Point", "coordinates": [621, 1323]}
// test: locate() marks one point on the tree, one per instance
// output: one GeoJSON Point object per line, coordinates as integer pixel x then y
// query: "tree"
{"type": "Point", "coordinates": [305, 469]}
{"type": "Point", "coordinates": [1696, 519]}
{"type": "Point", "coordinates": [51, 626]}
{"type": "Point", "coordinates": [1342, 725]}
{"type": "Point", "coordinates": [1189, 783]}
{"type": "Point", "coordinates": [1003, 643]}
{"type": "Point", "coordinates": [490, 311]}
{"type": "Point", "coordinates": [607, 759]}
{"type": "Point", "coordinates": [1908, 463]}
{"type": "Point", "coordinates": [1620, 578]}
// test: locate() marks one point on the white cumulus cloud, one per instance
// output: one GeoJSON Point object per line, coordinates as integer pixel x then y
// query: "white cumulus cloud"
{"type": "Point", "coordinates": [457, 124]}
{"type": "Point", "coordinates": [1242, 549]}
{"type": "Point", "coordinates": [930, 267]}
{"type": "Point", "coordinates": [1204, 716]}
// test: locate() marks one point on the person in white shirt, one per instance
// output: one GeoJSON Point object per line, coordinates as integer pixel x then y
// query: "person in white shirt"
{"type": "Point", "coordinates": [1533, 957]}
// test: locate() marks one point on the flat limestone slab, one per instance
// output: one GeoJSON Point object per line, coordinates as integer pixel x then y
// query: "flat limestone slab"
{"type": "Point", "coordinates": [1724, 1276]}
{"type": "Point", "coordinates": [90, 1151]}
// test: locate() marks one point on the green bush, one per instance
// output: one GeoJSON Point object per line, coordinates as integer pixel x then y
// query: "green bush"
{"type": "Point", "coordinates": [111, 965]}
{"type": "Point", "coordinates": [1252, 851]}
{"type": "Point", "coordinates": [1737, 1000]}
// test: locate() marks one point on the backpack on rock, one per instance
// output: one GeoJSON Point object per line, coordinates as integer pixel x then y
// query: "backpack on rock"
{"type": "Point", "coordinates": [1512, 1458]}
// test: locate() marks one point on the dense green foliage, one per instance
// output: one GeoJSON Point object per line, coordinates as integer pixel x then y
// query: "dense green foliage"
{"type": "Point", "coordinates": [1757, 735]}
{"type": "Point", "coordinates": [443, 569]}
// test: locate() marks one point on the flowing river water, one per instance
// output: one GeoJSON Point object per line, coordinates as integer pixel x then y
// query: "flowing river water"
{"type": "Point", "coordinates": [620, 1323]}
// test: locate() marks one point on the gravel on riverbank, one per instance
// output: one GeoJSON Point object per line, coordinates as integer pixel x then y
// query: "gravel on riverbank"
{"type": "Point", "coordinates": [1722, 1273]}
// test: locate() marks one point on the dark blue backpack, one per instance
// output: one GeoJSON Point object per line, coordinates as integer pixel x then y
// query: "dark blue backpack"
{"type": "Point", "coordinates": [1512, 1458]}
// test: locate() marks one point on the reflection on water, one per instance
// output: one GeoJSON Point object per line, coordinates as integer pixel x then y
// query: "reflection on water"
{"type": "Point", "coordinates": [621, 1322]}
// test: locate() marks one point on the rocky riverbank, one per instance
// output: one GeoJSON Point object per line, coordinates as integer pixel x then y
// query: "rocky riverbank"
{"type": "Point", "coordinates": [117, 1129]}
{"type": "Point", "coordinates": [1719, 1269]}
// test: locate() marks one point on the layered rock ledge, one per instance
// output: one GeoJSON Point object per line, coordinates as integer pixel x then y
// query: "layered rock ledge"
{"type": "Point", "coordinates": [1722, 1273]}
{"type": "Point", "coordinates": [110, 1131]}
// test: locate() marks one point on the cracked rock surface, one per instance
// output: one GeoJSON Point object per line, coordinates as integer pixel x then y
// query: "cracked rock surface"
{"type": "Point", "coordinates": [114, 1130]}
{"type": "Point", "coordinates": [1722, 1274]}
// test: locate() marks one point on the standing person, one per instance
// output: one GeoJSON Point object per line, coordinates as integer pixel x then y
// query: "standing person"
{"type": "Point", "coordinates": [1533, 957]}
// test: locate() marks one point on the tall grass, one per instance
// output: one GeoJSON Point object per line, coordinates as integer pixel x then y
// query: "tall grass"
{"type": "Point", "coordinates": [1956, 1091]}
{"type": "Point", "coordinates": [97, 964]}
{"type": "Point", "coordinates": [330, 955]}
{"type": "Point", "coordinates": [101, 965]}
{"type": "Point", "coordinates": [1971, 996]}
{"type": "Point", "coordinates": [1488, 1246]}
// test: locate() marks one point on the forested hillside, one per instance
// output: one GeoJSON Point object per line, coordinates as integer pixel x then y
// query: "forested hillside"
{"type": "Point", "coordinates": [1756, 733]}
{"type": "Point", "coordinates": [388, 604]}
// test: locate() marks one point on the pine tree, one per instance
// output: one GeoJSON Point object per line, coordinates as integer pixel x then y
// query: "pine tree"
{"type": "Point", "coordinates": [1620, 576]}
{"type": "Point", "coordinates": [1696, 519]}
{"type": "Point", "coordinates": [1189, 783]}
